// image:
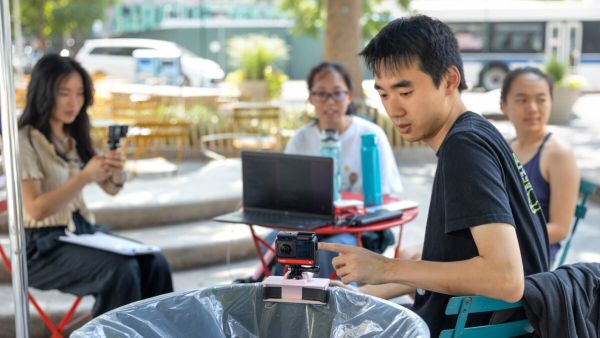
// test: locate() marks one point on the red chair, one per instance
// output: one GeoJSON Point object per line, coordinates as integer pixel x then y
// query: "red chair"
{"type": "Point", "coordinates": [55, 330]}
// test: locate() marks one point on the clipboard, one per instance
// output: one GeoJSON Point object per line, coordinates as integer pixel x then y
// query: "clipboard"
{"type": "Point", "coordinates": [110, 243]}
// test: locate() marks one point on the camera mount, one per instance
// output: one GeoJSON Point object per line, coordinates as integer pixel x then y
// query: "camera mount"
{"type": "Point", "coordinates": [115, 133]}
{"type": "Point", "coordinates": [296, 271]}
{"type": "Point", "coordinates": [297, 250]}
{"type": "Point", "coordinates": [306, 289]}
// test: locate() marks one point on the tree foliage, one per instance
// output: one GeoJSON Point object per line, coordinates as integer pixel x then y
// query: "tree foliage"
{"type": "Point", "coordinates": [310, 16]}
{"type": "Point", "coordinates": [45, 19]}
{"type": "Point", "coordinates": [254, 54]}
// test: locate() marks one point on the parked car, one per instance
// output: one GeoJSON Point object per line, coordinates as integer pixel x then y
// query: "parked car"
{"type": "Point", "coordinates": [115, 58]}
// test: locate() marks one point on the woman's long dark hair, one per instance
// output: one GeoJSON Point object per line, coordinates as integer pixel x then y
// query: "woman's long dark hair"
{"type": "Point", "coordinates": [46, 77]}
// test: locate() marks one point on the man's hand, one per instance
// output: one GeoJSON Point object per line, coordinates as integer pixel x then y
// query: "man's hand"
{"type": "Point", "coordinates": [338, 283]}
{"type": "Point", "coordinates": [356, 264]}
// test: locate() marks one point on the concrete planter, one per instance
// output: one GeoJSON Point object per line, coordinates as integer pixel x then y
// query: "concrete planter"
{"type": "Point", "coordinates": [562, 104]}
{"type": "Point", "coordinates": [254, 90]}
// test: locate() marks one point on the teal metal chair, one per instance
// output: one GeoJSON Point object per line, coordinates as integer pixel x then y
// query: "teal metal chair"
{"type": "Point", "coordinates": [586, 189]}
{"type": "Point", "coordinates": [465, 305]}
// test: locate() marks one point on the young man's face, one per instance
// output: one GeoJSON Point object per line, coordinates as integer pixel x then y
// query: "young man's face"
{"type": "Point", "coordinates": [416, 106]}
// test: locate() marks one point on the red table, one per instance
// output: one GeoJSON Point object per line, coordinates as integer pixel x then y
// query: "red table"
{"type": "Point", "coordinates": [407, 216]}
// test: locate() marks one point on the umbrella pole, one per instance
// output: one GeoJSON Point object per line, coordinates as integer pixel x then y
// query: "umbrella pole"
{"type": "Point", "coordinates": [10, 152]}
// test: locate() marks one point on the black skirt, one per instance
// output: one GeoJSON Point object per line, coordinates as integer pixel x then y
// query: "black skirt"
{"type": "Point", "coordinates": [114, 279]}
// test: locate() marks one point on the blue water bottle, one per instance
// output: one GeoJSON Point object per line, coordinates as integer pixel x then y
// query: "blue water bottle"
{"type": "Point", "coordinates": [371, 177]}
{"type": "Point", "coordinates": [330, 147]}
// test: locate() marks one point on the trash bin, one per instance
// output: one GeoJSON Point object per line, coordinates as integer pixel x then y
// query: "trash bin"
{"type": "Point", "coordinates": [239, 311]}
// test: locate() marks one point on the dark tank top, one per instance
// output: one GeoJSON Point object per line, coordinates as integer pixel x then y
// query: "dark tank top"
{"type": "Point", "coordinates": [541, 187]}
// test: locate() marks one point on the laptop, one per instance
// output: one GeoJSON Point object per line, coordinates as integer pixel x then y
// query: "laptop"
{"type": "Point", "coordinates": [285, 191]}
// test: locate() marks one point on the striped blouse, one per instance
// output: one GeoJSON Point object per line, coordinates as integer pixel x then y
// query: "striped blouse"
{"type": "Point", "coordinates": [39, 161]}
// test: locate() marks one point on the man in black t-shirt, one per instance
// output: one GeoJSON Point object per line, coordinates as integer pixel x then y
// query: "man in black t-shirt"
{"type": "Point", "coordinates": [485, 229]}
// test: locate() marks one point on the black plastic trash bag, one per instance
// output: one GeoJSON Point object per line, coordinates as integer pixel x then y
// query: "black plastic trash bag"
{"type": "Point", "coordinates": [239, 311]}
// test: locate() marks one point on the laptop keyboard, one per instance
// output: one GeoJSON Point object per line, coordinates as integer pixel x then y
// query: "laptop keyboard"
{"type": "Point", "coordinates": [275, 219]}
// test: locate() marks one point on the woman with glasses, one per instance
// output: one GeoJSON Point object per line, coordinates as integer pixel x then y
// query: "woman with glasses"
{"type": "Point", "coordinates": [330, 89]}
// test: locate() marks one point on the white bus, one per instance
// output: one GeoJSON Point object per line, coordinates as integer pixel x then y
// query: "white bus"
{"type": "Point", "coordinates": [497, 35]}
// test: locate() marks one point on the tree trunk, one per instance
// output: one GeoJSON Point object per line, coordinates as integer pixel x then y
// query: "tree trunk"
{"type": "Point", "coordinates": [342, 40]}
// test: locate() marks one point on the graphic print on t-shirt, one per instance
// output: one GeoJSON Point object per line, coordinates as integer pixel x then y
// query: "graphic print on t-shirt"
{"type": "Point", "coordinates": [349, 179]}
{"type": "Point", "coordinates": [534, 204]}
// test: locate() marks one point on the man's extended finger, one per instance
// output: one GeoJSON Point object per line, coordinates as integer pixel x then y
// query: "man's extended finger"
{"type": "Point", "coordinates": [338, 262]}
{"type": "Point", "coordinates": [335, 247]}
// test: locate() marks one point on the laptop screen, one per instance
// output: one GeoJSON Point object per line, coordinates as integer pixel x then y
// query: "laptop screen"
{"type": "Point", "coordinates": [291, 183]}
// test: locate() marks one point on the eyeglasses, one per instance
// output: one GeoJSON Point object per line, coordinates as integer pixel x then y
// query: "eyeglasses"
{"type": "Point", "coordinates": [337, 96]}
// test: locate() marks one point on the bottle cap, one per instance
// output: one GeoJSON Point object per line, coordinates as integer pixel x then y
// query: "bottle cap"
{"type": "Point", "coordinates": [330, 135]}
{"type": "Point", "coordinates": [369, 140]}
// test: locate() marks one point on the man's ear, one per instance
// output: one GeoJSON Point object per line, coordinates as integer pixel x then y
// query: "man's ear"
{"type": "Point", "coordinates": [452, 80]}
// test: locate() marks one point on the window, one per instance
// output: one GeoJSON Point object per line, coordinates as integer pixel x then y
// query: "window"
{"type": "Point", "coordinates": [114, 51]}
{"type": "Point", "coordinates": [471, 37]}
{"type": "Point", "coordinates": [591, 37]}
{"type": "Point", "coordinates": [512, 37]}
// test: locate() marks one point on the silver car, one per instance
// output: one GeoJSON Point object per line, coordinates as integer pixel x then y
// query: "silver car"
{"type": "Point", "coordinates": [115, 58]}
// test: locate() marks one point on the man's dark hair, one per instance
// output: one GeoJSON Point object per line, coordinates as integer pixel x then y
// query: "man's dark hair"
{"type": "Point", "coordinates": [417, 40]}
{"type": "Point", "coordinates": [42, 90]}
{"type": "Point", "coordinates": [510, 78]}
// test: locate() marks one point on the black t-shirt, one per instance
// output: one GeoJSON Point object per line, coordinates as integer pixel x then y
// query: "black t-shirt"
{"type": "Point", "coordinates": [478, 181]}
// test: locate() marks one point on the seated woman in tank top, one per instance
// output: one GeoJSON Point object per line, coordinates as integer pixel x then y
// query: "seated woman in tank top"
{"type": "Point", "coordinates": [526, 99]}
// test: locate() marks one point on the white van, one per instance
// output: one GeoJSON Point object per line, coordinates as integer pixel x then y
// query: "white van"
{"type": "Point", "coordinates": [114, 57]}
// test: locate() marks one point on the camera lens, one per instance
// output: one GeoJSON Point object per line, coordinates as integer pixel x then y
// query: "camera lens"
{"type": "Point", "coordinates": [285, 249]}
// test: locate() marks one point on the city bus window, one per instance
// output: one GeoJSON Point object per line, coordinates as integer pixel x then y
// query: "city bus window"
{"type": "Point", "coordinates": [591, 37]}
{"type": "Point", "coordinates": [518, 37]}
{"type": "Point", "coordinates": [471, 37]}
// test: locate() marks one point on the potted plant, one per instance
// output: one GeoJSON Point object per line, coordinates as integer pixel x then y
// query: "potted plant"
{"type": "Point", "coordinates": [567, 88]}
{"type": "Point", "coordinates": [255, 57]}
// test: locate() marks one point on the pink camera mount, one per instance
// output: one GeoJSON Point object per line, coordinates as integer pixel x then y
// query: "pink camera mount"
{"type": "Point", "coordinates": [305, 290]}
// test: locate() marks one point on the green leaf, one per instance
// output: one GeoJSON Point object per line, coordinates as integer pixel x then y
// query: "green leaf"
{"type": "Point", "coordinates": [44, 19]}
{"type": "Point", "coordinates": [310, 15]}
{"type": "Point", "coordinates": [254, 54]}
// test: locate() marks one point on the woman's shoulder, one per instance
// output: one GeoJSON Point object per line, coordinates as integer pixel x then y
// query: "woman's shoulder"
{"type": "Point", "coordinates": [310, 127]}
{"type": "Point", "coordinates": [365, 124]}
{"type": "Point", "coordinates": [302, 138]}
{"type": "Point", "coordinates": [557, 149]}
{"type": "Point", "coordinates": [32, 137]}
{"type": "Point", "coordinates": [310, 131]}
{"type": "Point", "coordinates": [558, 145]}
{"type": "Point", "coordinates": [29, 132]}
{"type": "Point", "coordinates": [24, 129]}
{"type": "Point", "coordinates": [24, 133]}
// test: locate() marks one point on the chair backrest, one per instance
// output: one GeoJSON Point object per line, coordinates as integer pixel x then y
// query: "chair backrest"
{"type": "Point", "coordinates": [259, 119]}
{"type": "Point", "coordinates": [586, 189]}
{"type": "Point", "coordinates": [465, 305]}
